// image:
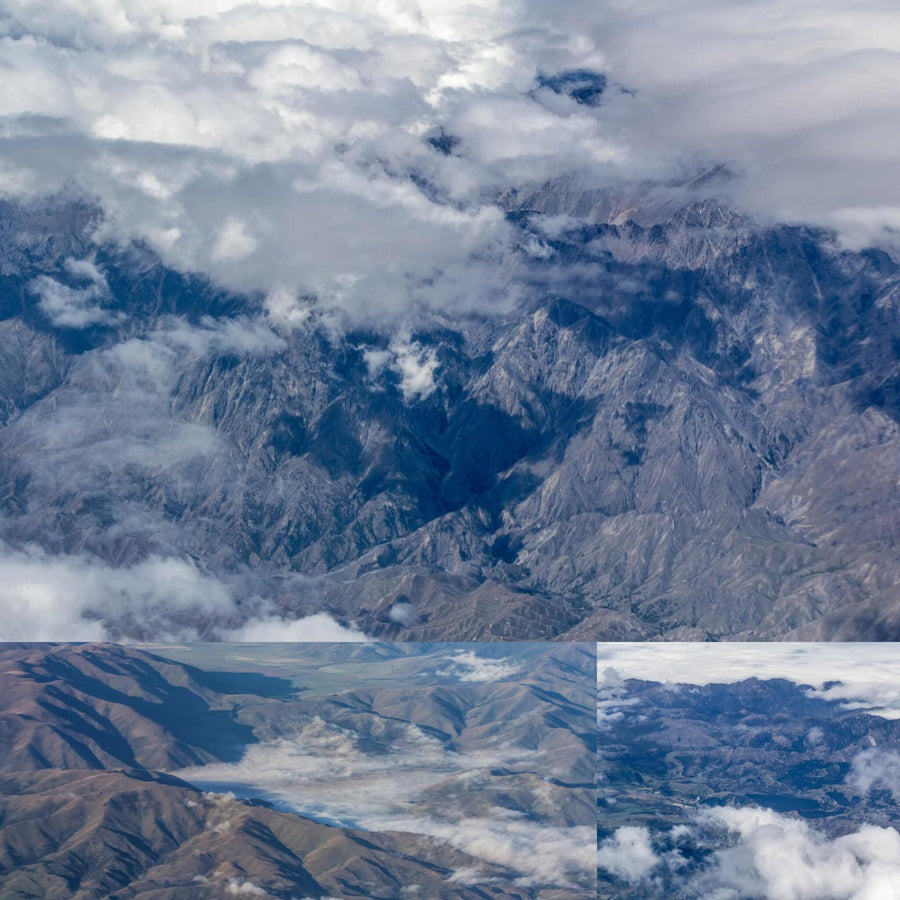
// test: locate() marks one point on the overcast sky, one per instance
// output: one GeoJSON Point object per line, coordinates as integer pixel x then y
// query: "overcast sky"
{"type": "Point", "coordinates": [271, 143]}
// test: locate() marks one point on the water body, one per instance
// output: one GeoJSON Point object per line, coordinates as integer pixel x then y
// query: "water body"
{"type": "Point", "coordinates": [809, 809]}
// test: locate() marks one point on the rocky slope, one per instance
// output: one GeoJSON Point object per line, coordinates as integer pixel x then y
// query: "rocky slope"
{"type": "Point", "coordinates": [687, 428]}
{"type": "Point", "coordinates": [130, 834]}
{"type": "Point", "coordinates": [755, 742]}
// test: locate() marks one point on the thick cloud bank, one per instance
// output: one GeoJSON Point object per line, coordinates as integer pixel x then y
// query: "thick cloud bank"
{"type": "Point", "coordinates": [860, 676]}
{"type": "Point", "coordinates": [799, 98]}
{"type": "Point", "coordinates": [46, 597]}
{"type": "Point", "coordinates": [758, 855]}
{"type": "Point", "coordinates": [353, 151]}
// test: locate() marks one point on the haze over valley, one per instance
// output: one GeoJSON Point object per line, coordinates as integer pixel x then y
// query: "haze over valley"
{"type": "Point", "coordinates": [336, 770]}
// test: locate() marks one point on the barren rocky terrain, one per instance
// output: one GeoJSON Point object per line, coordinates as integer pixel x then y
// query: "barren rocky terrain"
{"type": "Point", "coordinates": [685, 428]}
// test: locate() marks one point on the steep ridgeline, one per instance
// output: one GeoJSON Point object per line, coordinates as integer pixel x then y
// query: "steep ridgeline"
{"type": "Point", "coordinates": [687, 429]}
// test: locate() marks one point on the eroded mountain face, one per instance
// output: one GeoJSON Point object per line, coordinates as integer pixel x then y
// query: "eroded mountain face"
{"type": "Point", "coordinates": [688, 428]}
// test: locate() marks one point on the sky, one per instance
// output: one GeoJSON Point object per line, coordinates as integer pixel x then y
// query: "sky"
{"type": "Point", "coordinates": [284, 146]}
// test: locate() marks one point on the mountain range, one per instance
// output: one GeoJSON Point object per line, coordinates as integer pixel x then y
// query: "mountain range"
{"type": "Point", "coordinates": [455, 788]}
{"type": "Point", "coordinates": [686, 427]}
{"type": "Point", "coordinates": [759, 787]}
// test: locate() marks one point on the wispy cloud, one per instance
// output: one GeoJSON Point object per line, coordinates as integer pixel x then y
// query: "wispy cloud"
{"type": "Point", "coordinates": [79, 306]}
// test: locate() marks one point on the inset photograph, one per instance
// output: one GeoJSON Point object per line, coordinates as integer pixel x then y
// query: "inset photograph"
{"type": "Point", "coordinates": [298, 771]}
{"type": "Point", "coordinates": [748, 771]}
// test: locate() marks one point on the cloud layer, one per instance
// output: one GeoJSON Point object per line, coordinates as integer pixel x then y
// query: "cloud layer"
{"type": "Point", "coordinates": [45, 597]}
{"type": "Point", "coordinates": [354, 151]}
{"type": "Point", "coordinates": [411, 782]}
{"type": "Point", "coordinates": [861, 676]}
{"type": "Point", "coordinates": [758, 855]}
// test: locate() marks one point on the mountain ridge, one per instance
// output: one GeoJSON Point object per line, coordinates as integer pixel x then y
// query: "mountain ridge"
{"type": "Point", "coordinates": [687, 429]}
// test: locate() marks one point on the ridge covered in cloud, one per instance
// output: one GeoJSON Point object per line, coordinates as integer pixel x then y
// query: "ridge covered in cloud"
{"type": "Point", "coordinates": [354, 152]}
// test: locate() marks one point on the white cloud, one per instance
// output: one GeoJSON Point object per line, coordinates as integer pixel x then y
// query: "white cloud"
{"type": "Point", "coordinates": [628, 854]}
{"type": "Point", "coordinates": [237, 887]}
{"type": "Point", "coordinates": [416, 365]}
{"type": "Point", "coordinates": [113, 414]}
{"type": "Point", "coordinates": [815, 736]}
{"type": "Point", "coordinates": [868, 674]}
{"type": "Point", "coordinates": [271, 144]}
{"type": "Point", "coordinates": [318, 627]}
{"type": "Point", "coordinates": [285, 310]}
{"type": "Point", "coordinates": [75, 307]}
{"type": "Point", "coordinates": [234, 144]}
{"type": "Point", "coordinates": [67, 597]}
{"type": "Point", "coordinates": [216, 336]}
{"type": "Point", "coordinates": [233, 242]}
{"type": "Point", "coordinates": [467, 665]}
{"type": "Point", "coordinates": [65, 306]}
{"type": "Point", "coordinates": [758, 854]}
{"type": "Point", "coordinates": [773, 857]}
{"type": "Point", "coordinates": [876, 768]}
{"type": "Point", "coordinates": [800, 98]}
{"type": "Point", "coordinates": [73, 598]}
{"type": "Point", "coordinates": [613, 697]}
{"type": "Point", "coordinates": [542, 854]}
{"type": "Point", "coordinates": [404, 613]}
